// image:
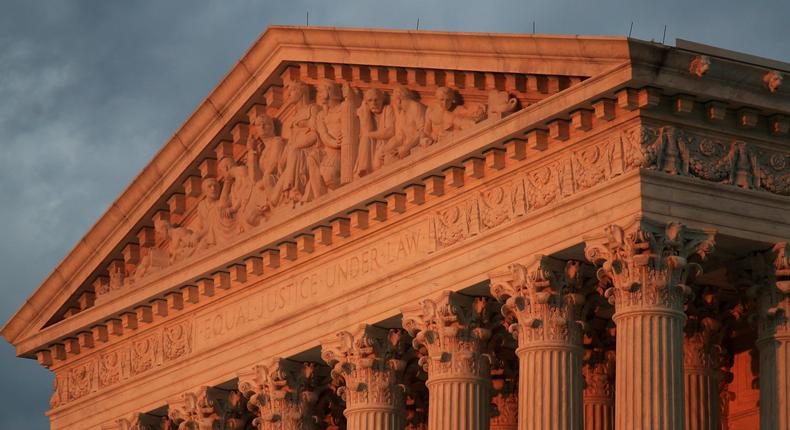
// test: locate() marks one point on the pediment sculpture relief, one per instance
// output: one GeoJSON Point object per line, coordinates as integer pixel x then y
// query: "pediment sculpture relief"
{"type": "Point", "coordinates": [340, 134]}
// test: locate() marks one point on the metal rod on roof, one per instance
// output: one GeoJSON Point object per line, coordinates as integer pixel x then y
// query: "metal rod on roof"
{"type": "Point", "coordinates": [418, 23]}
{"type": "Point", "coordinates": [533, 27]}
{"type": "Point", "coordinates": [307, 19]}
{"type": "Point", "coordinates": [664, 37]}
{"type": "Point", "coordinates": [630, 29]}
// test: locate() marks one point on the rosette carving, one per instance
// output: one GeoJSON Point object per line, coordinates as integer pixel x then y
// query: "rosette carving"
{"type": "Point", "coordinates": [649, 264]}
{"type": "Point", "coordinates": [544, 297]}
{"type": "Point", "coordinates": [450, 331]}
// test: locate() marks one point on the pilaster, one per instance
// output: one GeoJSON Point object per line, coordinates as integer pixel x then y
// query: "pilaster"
{"type": "Point", "coordinates": [368, 365]}
{"type": "Point", "coordinates": [543, 296]}
{"type": "Point", "coordinates": [648, 265]}
{"type": "Point", "coordinates": [451, 331]}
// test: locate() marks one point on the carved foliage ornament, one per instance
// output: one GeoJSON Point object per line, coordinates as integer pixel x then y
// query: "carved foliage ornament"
{"type": "Point", "coordinates": [545, 298]}
{"type": "Point", "coordinates": [368, 365]}
{"type": "Point", "coordinates": [675, 151]}
{"type": "Point", "coordinates": [451, 333]}
{"type": "Point", "coordinates": [648, 263]}
{"type": "Point", "coordinates": [767, 276]}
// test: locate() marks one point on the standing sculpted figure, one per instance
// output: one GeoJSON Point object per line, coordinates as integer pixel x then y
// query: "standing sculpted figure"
{"type": "Point", "coordinates": [264, 153]}
{"type": "Point", "coordinates": [444, 117]}
{"type": "Point", "coordinates": [215, 222]}
{"type": "Point", "coordinates": [330, 130]}
{"type": "Point", "coordinates": [239, 184]}
{"type": "Point", "coordinates": [409, 123]}
{"type": "Point", "coordinates": [376, 127]}
{"type": "Point", "coordinates": [300, 180]}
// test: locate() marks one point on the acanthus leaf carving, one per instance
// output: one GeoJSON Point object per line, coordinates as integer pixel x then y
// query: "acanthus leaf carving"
{"type": "Point", "coordinates": [450, 333]}
{"type": "Point", "coordinates": [545, 299]}
{"type": "Point", "coordinates": [648, 263]}
{"type": "Point", "coordinates": [368, 366]}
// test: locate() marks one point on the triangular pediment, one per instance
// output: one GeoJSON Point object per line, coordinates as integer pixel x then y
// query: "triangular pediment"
{"type": "Point", "coordinates": [370, 99]}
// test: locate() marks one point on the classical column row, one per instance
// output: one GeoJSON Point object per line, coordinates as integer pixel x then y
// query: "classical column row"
{"type": "Point", "coordinates": [631, 345]}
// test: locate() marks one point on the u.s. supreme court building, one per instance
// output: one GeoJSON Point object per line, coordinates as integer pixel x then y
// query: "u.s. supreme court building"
{"type": "Point", "coordinates": [376, 229]}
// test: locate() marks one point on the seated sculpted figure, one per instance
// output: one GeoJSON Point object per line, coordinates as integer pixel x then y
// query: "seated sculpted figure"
{"type": "Point", "coordinates": [409, 123]}
{"type": "Point", "coordinates": [239, 185]}
{"type": "Point", "coordinates": [376, 127]}
{"type": "Point", "coordinates": [215, 223]}
{"type": "Point", "coordinates": [330, 130]}
{"type": "Point", "coordinates": [444, 117]}
{"type": "Point", "coordinates": [300, 178]}
{"type": "Point", "coordinates": [264, 151]}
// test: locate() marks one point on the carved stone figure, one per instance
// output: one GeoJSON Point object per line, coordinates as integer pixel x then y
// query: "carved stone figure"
{"type": "Point", "coordinates": [215, 222]}
{"type": "Point", "coordinates": [264, 154]}
{"type": "Point", "coordinates": [330, 130]}
{"type": "Point", "coordinates": [409, 123]}
{"type": "Point", "coordinates": [744, 168]}
{"type": "Point", "coordinates": [181, 244]}
{"type": "Point", "coordinates": [773, 80]}
{"type": "Point", "coordinates": [501, 104]}
{"type": "Point", "coordinates": [300, 180]}
{"type": "Point", "coordinates": [239, 186]}
{"type": "Point", "coordinates": [376, 127]}
{"type": "Point", "coordinates": [699, 65]}
{"type": "Point", "coordinates": [444, 117]}
{"type": "Point", "coordinates": [672, 154]}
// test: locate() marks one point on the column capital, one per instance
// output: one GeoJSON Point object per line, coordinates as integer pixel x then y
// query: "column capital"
{"type": "Point", "coordinates": [198, 409]}
{"type": "Point", "coordinates": [545, 298]}
{"type": "Point", "coordinates": [598, 371]}
{"type": "Point", "coordinates": [368, 363]}
{"type": "Point", "coordinates": [451, 329]}
{"type": "Point", "coordinates": [766, 277]}
{"type": "Point", "coordinates": [703, 331]}
{"type": "Point", "coordinates": [139, 421]}
{"type": "Point", "coordinates": [649, 263]}
{"type": "Point", "coordinates": [281, 392]}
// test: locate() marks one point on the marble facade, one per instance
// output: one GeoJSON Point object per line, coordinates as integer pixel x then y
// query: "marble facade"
{"type": "Point", "coordinates": [375, 229]}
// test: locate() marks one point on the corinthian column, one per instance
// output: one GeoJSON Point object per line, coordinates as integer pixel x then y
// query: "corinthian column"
{"type": "Point", "coordinates": [281, 393]}
{"type": "Point", "coordinates": [771, 289]}
{"type": "Point", "coordinates": [368, 363]}
{"type": "Point", "coordinates": [701, 370]}
{"type": "Point", "coordinates": [598, 373]}
{"type": "Point", "coordinates": [451, 333]}
{"type": "Point", "coordinates": [648, 266]}
{"type": "Point", "coordinates": [541, 295]}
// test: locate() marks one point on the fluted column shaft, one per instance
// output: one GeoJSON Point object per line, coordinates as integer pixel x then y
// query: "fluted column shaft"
{"type": "Point", "coordinates": [384, 418]}
{"type": "Point", "coordinates": [703, 400]}
{"type": "Point", "coordinates": [550, 387]}
{"type": "Point", "coordinates": [458, 403]}
{"type": "Point", "coordinates": [598, 413]}
{"type": "Point", "coordinates": [649, 384]}
{"type": "Point", "coordinates": [451, 329]}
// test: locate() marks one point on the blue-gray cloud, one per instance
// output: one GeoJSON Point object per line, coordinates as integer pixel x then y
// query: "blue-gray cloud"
{"type": "Point", "coordinates": [89, 90]}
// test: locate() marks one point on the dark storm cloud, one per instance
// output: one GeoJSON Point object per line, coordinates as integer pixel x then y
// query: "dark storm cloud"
{"type": "Point", "coordinates": [89, 90]}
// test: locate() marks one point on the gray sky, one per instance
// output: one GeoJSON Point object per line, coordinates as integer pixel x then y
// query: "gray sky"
{"type": "Point", "coordinates": [89, 90]}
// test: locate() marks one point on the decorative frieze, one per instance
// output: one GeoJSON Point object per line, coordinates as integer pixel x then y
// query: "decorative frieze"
{"type": "Point", "coordinates": [135, 356]}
